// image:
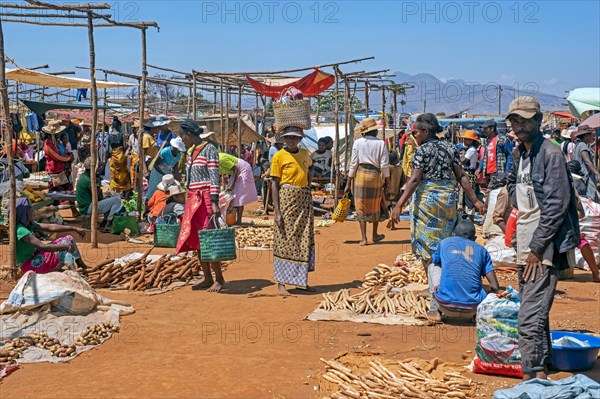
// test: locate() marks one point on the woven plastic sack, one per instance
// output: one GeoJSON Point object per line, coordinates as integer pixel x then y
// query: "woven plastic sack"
{"type": "Point", "coordinates": [217, 245]}
{"type": "Point", "coordinates": [166, 235]}
{"type": "Point", "coordinates": [341, 210]}
{"type": "Point", "coordinates": [497, 348]}
{"type": "Point", "coordinates": [292, 113]}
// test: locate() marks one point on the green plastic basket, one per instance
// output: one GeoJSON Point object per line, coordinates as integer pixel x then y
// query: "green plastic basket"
{"type": "Point", "coordinates": [166, 235]}
{"type": "Point", "coordinates": [217, 245]}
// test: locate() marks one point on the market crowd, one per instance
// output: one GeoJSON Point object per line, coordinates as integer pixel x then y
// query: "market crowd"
{"type": "Point", "coordinates": [529, 186]}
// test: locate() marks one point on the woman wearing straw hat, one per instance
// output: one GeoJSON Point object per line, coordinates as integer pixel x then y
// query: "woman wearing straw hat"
{"type": "Point", "coordinates": [202, 198]}
{"type": "Point", "coordinates": [240, 182]}
{"type": "Point", "coordinates": [55, 163]}
{"type": "Point", "coordinates": [165, 164]}
{"type": "Point", "coordinates": [370, 160]}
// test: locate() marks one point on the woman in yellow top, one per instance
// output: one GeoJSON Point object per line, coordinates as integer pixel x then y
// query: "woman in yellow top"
{"type": "Point", "coordinates": [410, 145]}
{"type": "Point", "coordinates": [294, 241]}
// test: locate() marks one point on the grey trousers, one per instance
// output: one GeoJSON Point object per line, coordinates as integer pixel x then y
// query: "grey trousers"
{"type": "Point", "coordinates": [534, 318]}
{"type": "Point", "coordinates": [107, 207]}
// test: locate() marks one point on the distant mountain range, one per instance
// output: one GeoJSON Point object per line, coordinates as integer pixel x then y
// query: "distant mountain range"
{"type": "Point", "coordinates": [457, 95]}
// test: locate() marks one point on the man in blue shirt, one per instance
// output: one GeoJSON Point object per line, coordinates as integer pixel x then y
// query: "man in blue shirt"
{"type": "Point", "coordinates": [455, 274]}
{"type": "Point", "coordinates": [164, 133]}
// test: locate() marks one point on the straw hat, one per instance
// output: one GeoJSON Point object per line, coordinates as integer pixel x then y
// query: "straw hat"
{"type": "Point", "coordinates": [54, 127]}
{"type": "Point", "coordinates": [469, 134]}
{"type": "Point", "coordinates": [366, 125]}
{"type": "Point", "coordinates": [136, 124]}
{"type": "Point", "coordinates": [207, 135]}
{"type": "Point", "coordinates": [565, 134]}
{"type": "Point", "coordinates": [85, 123]}
{"type": "Point", "coordinates": [166, 182]}
{"type": "Point", "coordinates": [175, 190]}
{"type": "Point", "coordinates": [292, 131]}
{"type": "Point", "coordinates": [583, 129]}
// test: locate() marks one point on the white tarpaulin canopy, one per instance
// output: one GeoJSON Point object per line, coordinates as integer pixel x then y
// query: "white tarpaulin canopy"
{"type": "Point", "coordinates": [584, 100]}
{"type": "Point", "coordinates": [43, 79]}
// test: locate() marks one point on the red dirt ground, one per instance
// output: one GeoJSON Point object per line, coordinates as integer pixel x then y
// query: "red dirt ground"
{"type": "Point", "coordinates": [247, 342]}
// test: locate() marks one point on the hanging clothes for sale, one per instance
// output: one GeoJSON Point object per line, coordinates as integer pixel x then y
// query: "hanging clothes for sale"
{"type": "Point", "coordinates": [33, 123]}
{"type": "Point", "coordinates": [81, 93]}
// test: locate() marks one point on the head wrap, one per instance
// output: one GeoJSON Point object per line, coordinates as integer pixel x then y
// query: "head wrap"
{"type": "Point", "coordinates": [22, 211]}
{"type": "Point", "coordinates": [191, 127]}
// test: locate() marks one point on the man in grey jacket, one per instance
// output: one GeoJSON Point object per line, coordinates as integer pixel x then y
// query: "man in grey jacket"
{"type": "Point", "coordinates": [541, 189]}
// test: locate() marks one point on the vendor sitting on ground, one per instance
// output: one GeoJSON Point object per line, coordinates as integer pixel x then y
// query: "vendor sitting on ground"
{"type": "Point", "coordinates": [106, 206]}
{"type": "Point", "coordinates": [455, 274]}
{"type": "Point", "coordinates": [33, 254]}
{"type": "Point", "coordinates": [158, 200]}
{"type": "Point", "coordinates": [174, 207]}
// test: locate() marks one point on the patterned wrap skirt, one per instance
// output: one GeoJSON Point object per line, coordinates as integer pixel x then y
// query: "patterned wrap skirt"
{"type": "Point", "coordinates": [45, 262]}
{"type": "Point", "coordinates": [368, 193]}
{"type": "Point", "coordinates": [196, 215]}
{"type": "Point", "coordinates": [119, 172]}
{"type": "Point", "coordinates": [433, 215]}
{"type": "Point", "coordinates": [294, 243]}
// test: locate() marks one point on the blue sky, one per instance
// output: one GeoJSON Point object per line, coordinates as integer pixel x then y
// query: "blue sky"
{"type": "Point", "coordinates": [555, 44]}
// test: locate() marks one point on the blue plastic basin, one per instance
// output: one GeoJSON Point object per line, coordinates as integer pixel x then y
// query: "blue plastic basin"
{"type": "Point", "coordinates": [574, 359]}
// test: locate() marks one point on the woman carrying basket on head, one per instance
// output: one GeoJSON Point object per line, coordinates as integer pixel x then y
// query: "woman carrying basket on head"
{"type": "Point", "coordinates": [202, 199]}
{"type": "Point", "coordinates": [294, 241]}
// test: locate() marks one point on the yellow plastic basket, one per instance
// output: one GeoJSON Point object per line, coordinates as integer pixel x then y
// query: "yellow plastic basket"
{"type": "Point", "coordinates": [341, 210]}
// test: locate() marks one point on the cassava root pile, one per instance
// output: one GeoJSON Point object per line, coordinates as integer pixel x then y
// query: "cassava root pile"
{"type": "Point", "coordinates": [140, 274]}
{"type": "Point", "coordinates": [13, 349]}
{"type": "Point", "coordinates": [371, 301]}
{"type": "Point", "coordinates": [254, 237]}
{"type": "Point", "coordinates": [397, 380]}
{"type": "Point", "coordinates": [384, 275]}
{"type": "Point", "coordinates": [94, 334]}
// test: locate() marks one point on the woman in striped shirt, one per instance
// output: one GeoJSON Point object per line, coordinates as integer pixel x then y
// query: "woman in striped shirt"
{"type": "Point", "coordinates": [202, 181]}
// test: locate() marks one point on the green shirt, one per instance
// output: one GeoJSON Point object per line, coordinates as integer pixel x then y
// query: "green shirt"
{"type": "Point", "coordinates": [226, 163]}
{"type": "Point", "coordinates": [24, 250]}
{"type": "Point", "coordinates": [83, 192]}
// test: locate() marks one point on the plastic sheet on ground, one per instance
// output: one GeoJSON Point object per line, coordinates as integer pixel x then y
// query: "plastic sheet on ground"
{"type": "Point", "coordinates": [60, 304]}
{"type": "Point", "coordinates": [348, 315]}
{"type": "Point", "coordinates": [576, 387]}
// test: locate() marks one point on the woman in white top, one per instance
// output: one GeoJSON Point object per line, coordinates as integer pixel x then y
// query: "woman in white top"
{"type": "Point", "coordinates": [370, 159]}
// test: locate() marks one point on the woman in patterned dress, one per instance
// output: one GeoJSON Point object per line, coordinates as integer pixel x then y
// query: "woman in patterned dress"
{"type": "Point", "coordinates": [294, 240]}
{"type": "Point", "coordinates": [436, 167]}
{"type": "Point", "coordinates": [202, 198]}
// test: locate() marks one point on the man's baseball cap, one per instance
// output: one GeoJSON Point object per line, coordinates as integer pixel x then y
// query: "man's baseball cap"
{"type": "Point", "coordinates": [524, 106]}
{"type": "Point", "coordinates": [489, 123]}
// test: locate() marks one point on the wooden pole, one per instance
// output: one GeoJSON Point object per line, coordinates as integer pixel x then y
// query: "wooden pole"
{"type": "Point", "coordinates": [104, 119]}
{"type": "Point", "coordinates": [194, 102]}
{"type": "Point", "coordinates": [383, 110]}
{"type": "Point", "coordinates": [166, 100]}
{"type": "Point", "coordinates": [395, 116]}
{"type": "Point", "coordinates": [214, 106]}
{"type": "Point", "coordinates": [226, 122]}
{"type": "Point", "coordinates": [94, 151]}
{"type": "Point", "coordinates": [222, 122]}
{"type": "Point", "coordinates": [142, 161]}
{"type": "Point", "coordinates": [337, 139]}
{"type": "Point", "coordinates": [346, 123]}
{"type": "Point", "coordinates": [318, 109]}
{"type": "Point", "coordinates": [12, 197]}
{"type": "Point", "coordinates": [366, 99]}
{"type": "Point", "coordinates": [239, 122]}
